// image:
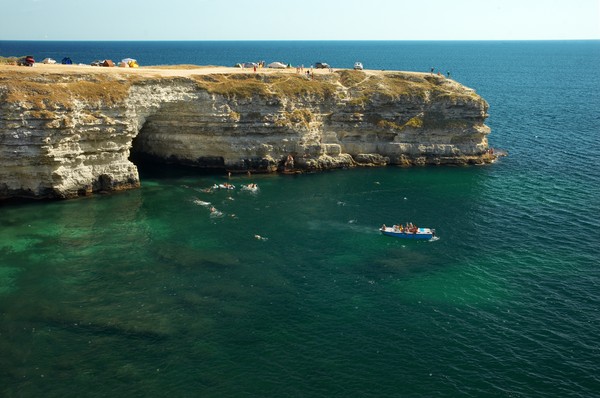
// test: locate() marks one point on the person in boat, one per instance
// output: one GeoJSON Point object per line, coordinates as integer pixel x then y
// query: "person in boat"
{"type": "Point", "coordinates": [383, 227]}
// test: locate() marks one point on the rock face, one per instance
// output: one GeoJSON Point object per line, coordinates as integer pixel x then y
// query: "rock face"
{"type": "Point", "coordinates": [65, 135]}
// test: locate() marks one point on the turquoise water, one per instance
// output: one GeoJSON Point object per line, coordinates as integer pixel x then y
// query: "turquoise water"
{"type": "Point", "coordinates": [293, 291]}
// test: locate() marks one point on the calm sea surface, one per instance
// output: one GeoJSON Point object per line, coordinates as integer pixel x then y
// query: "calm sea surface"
{"type": "Point", "coordinates": [292, 291]}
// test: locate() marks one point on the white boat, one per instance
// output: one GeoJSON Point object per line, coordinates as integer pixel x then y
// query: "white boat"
{"type": "Point", "coordinates": [398, 231]}
{"type": "Point", "coordinates": [358, 66]}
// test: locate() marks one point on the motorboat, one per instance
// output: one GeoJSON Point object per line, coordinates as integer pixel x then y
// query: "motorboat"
{"type": "Point", "coordinates": [409, 232]}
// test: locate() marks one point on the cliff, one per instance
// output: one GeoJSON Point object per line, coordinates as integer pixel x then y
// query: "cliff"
{"type": "Point", "coordinates": [69, 132]}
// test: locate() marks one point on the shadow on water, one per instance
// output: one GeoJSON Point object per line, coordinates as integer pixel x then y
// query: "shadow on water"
{"type": "Point", "coordinates": [150, 167]}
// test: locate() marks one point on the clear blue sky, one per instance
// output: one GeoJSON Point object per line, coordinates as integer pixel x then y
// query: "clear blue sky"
{"type": "Point", "coordinates": [299, 19]}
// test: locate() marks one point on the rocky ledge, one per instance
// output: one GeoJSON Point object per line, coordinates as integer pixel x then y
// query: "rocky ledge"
{"type": "Point", "coordinates": [67, 133]}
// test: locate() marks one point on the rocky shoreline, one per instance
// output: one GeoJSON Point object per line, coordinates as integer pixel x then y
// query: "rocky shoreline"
{"type": "Point", "coordinates": [68, 132]}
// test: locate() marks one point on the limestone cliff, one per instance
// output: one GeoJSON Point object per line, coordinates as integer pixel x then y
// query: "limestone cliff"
{"type": "Point", "coordinates": [64, 134]}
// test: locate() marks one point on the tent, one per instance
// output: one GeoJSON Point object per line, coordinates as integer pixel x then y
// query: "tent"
{"type": "Point", "coordinates": [277, 65]}
{"type": "Point", "coordinates": [132, 63]}
{"type": "Point", "coordinates": [108, 62]}
{"type": "Point", "coordinates": [49, 61]}
{"type": "Point", "coordinates": [66, 61]}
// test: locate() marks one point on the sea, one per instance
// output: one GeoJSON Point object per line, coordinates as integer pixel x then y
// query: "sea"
{"type": "Point", "coordinates": [291, 291]}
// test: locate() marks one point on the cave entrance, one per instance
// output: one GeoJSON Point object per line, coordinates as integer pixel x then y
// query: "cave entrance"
{"type": "Point", "coordinates": [152, 152]}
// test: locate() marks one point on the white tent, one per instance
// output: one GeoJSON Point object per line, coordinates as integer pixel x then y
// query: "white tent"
{"type": "Point", "coordinates": [277, 65]}
{"type": "Point", "coordinates": [49, 61]}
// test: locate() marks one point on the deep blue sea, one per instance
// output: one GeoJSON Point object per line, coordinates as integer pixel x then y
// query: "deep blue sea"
{"type": "Point", "coordinates": [291, 291]}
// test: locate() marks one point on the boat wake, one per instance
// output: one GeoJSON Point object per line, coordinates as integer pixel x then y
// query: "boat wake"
{"type": "Point", "coordinates": [201, 203]}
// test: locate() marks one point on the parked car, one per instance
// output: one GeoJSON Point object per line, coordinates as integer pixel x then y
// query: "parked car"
{"type": "Point", "coordinates": [26, 61]}
{"type": "Point", "coordinates": [358, 66]}
{"type": "Point", "coordinates": [322, 65]}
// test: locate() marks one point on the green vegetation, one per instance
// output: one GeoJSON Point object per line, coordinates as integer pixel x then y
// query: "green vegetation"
{"type": "Point", "coordinates": [9, 60]}
{"type": "Point", "coordinates": [387, 124]}
{"type": "Point", "coordinates": [297, 117]}
{"type": "Point", "coordinates": [428, 122]}
{"type": "Point", "coordinates": [442, 124]}
{"type": "Point", "coordinates": [415, 123]}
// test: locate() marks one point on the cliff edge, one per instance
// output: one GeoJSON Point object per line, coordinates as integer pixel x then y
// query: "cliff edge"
{"type": "Point", "coordinates": [68, 131]}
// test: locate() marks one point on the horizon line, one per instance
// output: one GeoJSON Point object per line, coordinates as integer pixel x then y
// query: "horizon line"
{"type": "Point", "coordinates": [301, 40]}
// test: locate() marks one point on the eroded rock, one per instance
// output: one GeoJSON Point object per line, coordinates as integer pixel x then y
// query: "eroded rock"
{"type": "Point", "coordinates": [65, 135]}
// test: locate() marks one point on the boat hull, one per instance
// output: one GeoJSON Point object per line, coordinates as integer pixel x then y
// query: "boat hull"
{"type": "Point", "coordinates": [421, 233]}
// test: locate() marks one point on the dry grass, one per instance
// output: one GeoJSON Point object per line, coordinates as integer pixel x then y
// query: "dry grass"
{"type": "Point", "coordinates": [297, 85]}
{"type": "Point", "coordinates": [241, 86]}
{"type": "Point", "coordinates": [394, 86]}
{"type": "Point", "coordinates": [49, 92]}
{"type": "Point", "coordinates": [52, 88]}
{"type": "Point", "coordinates": [296, 118]}
{"type": "Point", "coordinates": [272, 85]}
{"type": "Point", "coordinates": [351, 78]}
{"type": "Point", "coordinates": [9, 60]}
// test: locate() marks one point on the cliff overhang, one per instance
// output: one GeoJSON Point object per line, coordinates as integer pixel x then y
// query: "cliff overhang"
{"type": "Point", "coordinates": [65, 134]}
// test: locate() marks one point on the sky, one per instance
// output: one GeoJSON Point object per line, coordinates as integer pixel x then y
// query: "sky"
{"type": "Point", "coordinates": [299, 19]}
